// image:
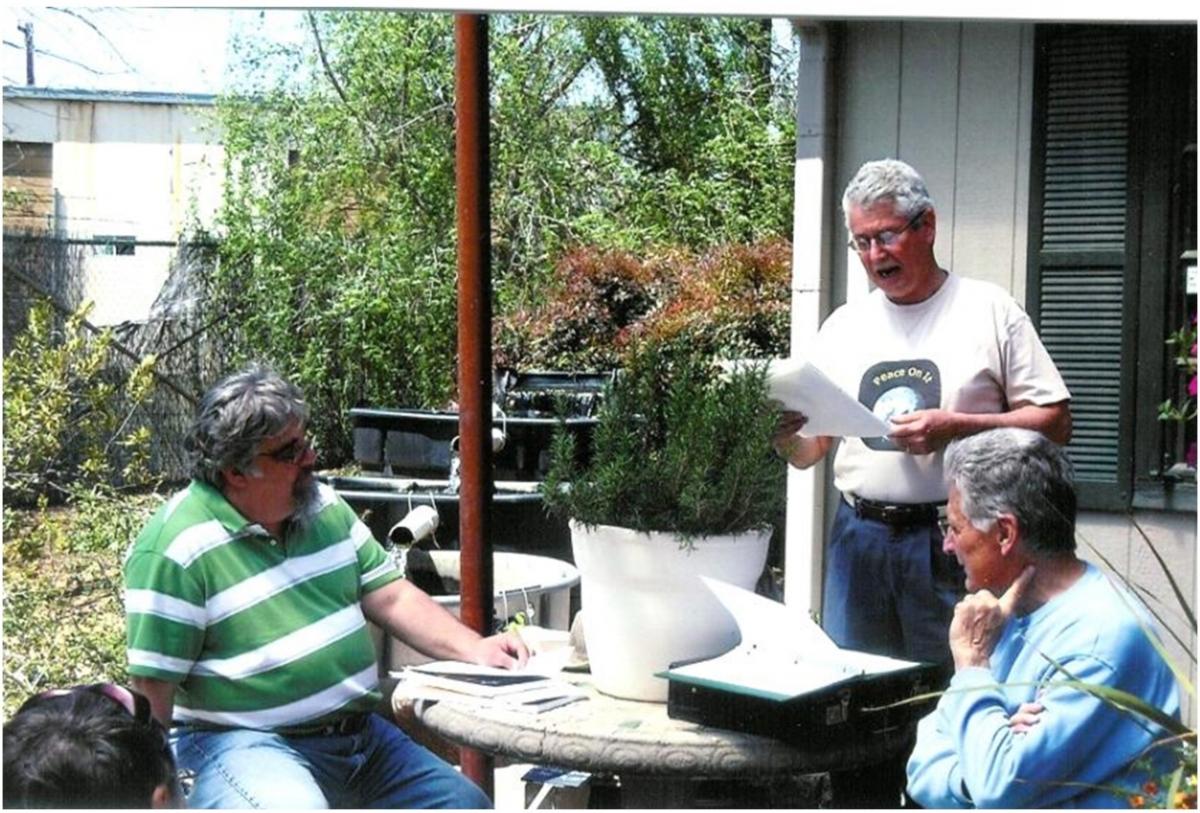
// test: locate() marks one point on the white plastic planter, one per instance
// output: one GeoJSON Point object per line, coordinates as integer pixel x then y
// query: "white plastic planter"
{"type": "Point", "coordinates": [645, 606]}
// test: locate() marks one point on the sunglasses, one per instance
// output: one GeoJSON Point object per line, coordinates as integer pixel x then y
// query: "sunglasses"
{"type": "Point", "coordinates": [293, 452]}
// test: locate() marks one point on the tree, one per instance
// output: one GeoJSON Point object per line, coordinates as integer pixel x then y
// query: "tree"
{"type": "Point", "coordinates": [338, 258]}
{"type": "Point", "coordinates": [664, 71]}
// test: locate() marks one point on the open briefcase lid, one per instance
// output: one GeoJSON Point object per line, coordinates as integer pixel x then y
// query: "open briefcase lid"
{"type": "Point", "coordinates": [787, 679]}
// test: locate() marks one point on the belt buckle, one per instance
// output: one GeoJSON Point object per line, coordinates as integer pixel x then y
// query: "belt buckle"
{"type": "Point", "coordinates": [351, 724]}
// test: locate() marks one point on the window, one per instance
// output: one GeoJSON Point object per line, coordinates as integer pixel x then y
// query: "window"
{"type": "Point", "coordinates": [1112, 232]}
{"type": "Point", "coordinates": [120, 245]}
{"type": "Point", "coordinates": [28, 186]}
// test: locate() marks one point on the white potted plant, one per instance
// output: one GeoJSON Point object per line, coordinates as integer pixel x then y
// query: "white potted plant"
{"type": "Point", "coordinates": [681, 483]}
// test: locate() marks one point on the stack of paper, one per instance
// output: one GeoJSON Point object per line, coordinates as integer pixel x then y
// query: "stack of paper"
{"type": "Point", "coordinates": [486, 686]}
{"type": "Point", "coordinates": [804, 660]}
{"type": "Point", "coordinates": [802, 387]}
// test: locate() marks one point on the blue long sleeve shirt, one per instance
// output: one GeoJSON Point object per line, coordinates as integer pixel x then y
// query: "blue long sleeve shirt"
{"type": "Point", "coordinates": [966, 754]}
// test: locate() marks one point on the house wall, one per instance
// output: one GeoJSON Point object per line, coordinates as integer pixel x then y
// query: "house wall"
{"type": "Point", "coordinates": [126, 169]}
{"type": "Point", "coordinates": [955, 100]}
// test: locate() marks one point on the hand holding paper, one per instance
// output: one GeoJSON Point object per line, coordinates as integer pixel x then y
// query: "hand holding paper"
{"type": "Point", "coordinates": [802, 387]}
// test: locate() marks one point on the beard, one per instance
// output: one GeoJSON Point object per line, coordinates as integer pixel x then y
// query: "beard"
{"type": "Point", "coordinates": [305, 495]}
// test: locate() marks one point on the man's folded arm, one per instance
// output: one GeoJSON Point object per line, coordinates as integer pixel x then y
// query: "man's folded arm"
{"type": "Point", "coordinates": [934, 778]}
{"type": "Point", "coordinates": [1074, 740]}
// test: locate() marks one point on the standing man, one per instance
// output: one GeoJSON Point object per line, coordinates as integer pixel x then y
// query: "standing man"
{"type": "Point", "coordinates": [1015, 730]}
{"type": "Point", "coordinates": [942, 357]}
{"type": "Point", "coordinates": [247, 601]}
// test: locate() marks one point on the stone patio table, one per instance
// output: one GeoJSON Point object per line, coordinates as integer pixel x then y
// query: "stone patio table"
{"type": "Point", "coordinates": [655, 760]}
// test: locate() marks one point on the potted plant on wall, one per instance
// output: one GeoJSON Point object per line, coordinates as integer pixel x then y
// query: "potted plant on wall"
{"type": "Point", "coordinates": [681, 483]}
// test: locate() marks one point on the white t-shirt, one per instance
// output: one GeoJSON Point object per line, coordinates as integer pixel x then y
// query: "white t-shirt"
{"type": "Point", "coordinates": [968, 348]}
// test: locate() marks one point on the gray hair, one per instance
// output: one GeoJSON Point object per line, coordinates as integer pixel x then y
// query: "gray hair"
{"type": "Point", "coordinates": [238, 414]}
{"type": "Point", "coordinates": [886, 180]}
{"type": "Point", "coordinates": [1018, 472]}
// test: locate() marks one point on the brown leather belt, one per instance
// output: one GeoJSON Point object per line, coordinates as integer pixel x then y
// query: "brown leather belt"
{"type": "Point", "coordinates": [899, 515]}
{"type": "Point", "coordinates": [342, 727]}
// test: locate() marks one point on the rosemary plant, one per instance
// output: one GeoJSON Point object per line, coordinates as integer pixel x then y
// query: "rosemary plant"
{"type": "Point", "coordinates": [679, 446]}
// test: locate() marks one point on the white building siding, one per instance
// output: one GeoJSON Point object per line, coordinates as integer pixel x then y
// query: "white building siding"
{"type": "Point", "coordinates": [955, 100]}
{"type": "Point", "coordinates": [128, 169]}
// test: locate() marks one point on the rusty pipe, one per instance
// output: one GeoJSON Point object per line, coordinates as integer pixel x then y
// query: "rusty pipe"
{"type": "Point", "coordinates": [472, 176]}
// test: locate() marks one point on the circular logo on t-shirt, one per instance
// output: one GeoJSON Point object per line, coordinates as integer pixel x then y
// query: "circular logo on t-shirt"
{"type": "Point", "coordinates": [892, 388]}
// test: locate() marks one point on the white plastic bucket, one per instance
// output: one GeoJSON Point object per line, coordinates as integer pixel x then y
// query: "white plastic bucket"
{"type": "Point", "coordinates": [538, 586]}
{"type": "Point", "coordinates": [646, 606]}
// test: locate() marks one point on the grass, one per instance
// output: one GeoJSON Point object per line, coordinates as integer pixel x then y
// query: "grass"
{"type": "Point", "coordinates": [63, 616]}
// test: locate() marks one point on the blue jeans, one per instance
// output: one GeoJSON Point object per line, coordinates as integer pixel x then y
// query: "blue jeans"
{"type": "Point", "coordinates": [377, 767]}
{"type": "Point", "coordinates": [890, 590]}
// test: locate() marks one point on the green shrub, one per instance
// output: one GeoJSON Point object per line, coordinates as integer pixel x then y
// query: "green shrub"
{"type": "Point", "coordinates": [68, 420]}
{"type": "Point", "coordinates": [337, 263]}
{"type": "Point", "coordinates": [678, 446]}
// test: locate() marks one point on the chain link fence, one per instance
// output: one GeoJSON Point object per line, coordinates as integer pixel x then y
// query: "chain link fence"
{"type": "Point", "coordinates": [178, 332]}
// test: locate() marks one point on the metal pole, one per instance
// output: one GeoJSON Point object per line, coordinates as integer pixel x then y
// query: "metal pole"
{"type": "Point", "coordinates": [27, 30]}
{"type": "Point", "coordinates": [474, 340]}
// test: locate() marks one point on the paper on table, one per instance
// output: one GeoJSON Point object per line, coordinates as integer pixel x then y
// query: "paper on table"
{"type": "Point", "coordinates": [801, 387]}
{"type": "Point", "coordinates": [773, 665]}
{"type": "Point", "coordinates": [543, 665]}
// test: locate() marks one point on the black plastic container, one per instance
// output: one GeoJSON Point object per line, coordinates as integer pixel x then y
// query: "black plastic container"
{"type": "Point", "coordinates": [416, 442]}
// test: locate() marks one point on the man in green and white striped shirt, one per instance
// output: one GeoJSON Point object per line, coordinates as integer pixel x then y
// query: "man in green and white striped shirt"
{"type": "Point", "coordinates": [247, 601]}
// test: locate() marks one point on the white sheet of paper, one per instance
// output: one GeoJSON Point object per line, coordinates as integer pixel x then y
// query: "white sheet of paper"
{"type": "Point", "coordinates": [802, 660]}
{"type": "Point", "coordinates": [545, 664]}
{"type": "Point", "coordinates": [802, 387]}
{"type": "Point", "coordinates": [759, 620]}
{"type": "Point", "coordinates": [767, 673]}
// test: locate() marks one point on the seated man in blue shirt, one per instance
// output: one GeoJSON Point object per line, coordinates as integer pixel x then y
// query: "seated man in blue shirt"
{"type": "Point", "coordinates": [1009, 732]}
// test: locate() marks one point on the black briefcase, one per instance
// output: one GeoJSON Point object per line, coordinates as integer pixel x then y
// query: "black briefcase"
{"type": "Point", "coordinates": [857, 707]}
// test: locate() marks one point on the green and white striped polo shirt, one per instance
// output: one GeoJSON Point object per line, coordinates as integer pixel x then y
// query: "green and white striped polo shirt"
{"type": "Point", "coordinates": [256, 633]}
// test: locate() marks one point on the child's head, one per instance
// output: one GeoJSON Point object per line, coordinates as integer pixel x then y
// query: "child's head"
{"type": "Point", "coordinates": [90, 746]}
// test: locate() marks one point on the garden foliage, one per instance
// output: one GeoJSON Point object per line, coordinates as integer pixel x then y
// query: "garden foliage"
{"type": "Point", "coordinates": [64, 621]}
{"type": "Point", "coordinates": [731, 301]}
{"type": "Point", "coordinates": [1182, 410]}
{"type": "Point", "coordinates": [679, 446]}
{"type": "Point", "coordinates": [70, 423]}
{"type": "Point", "coordinates": [338, 224]}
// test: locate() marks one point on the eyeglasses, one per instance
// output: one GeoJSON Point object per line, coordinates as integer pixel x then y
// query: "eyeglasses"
{"type": "Point", "coordinates": [944, 527]}
{"type": "Point", "coordinates": [293, 452]}
{"type": "Point", "coordinates": [862, 243]}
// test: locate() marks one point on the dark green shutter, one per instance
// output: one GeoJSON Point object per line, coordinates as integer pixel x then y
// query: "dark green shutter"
{"type": "Point", "coordinates": [1078, 232]}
